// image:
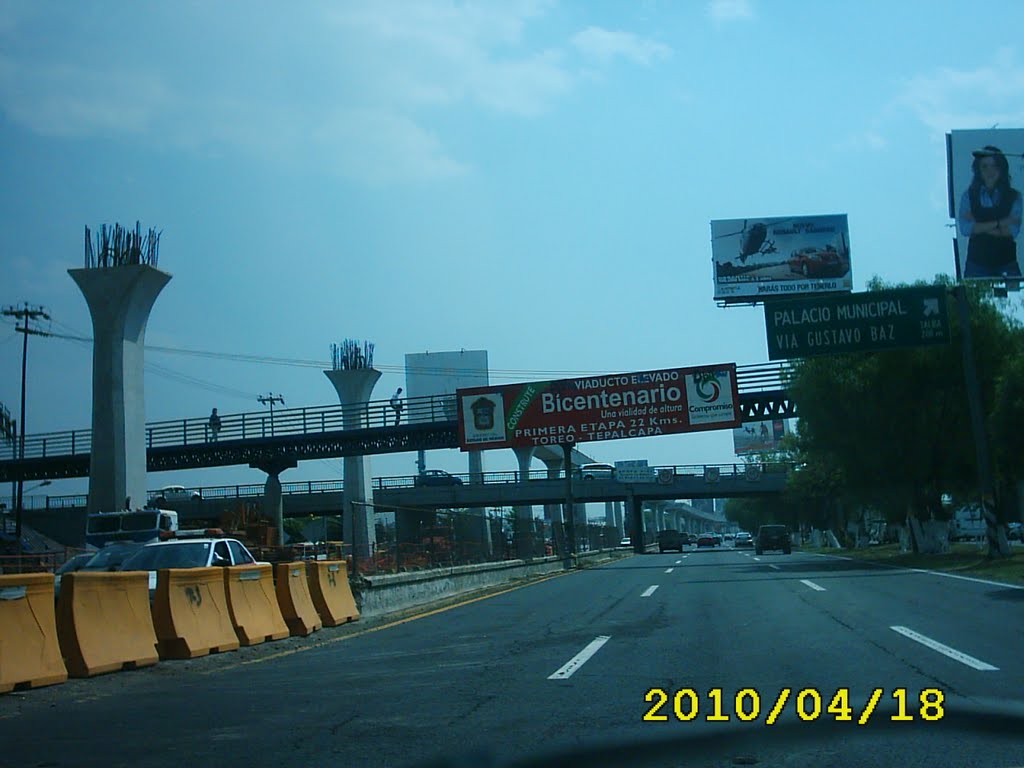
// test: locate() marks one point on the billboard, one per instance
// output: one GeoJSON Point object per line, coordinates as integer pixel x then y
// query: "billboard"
{"type": "Point", "coordinates": [755, 258]}
{"type": "Point", "coordinates": [985, 171]}
{"type": "Point", "coordinates": [436, 374]}
{"type": "Point", "coordinates": [759, 436]}
{"type": "Point", "coordinates": [611, 407]}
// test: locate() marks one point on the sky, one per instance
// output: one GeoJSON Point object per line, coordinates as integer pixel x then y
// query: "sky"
{"type": "Point", "coordinates": [528, 177]}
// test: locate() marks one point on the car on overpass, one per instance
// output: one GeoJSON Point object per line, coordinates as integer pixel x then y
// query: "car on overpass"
{"type": "Point", "coordinates": [597, 472]}
{"type": "Point", "coordinates": [435, 477]}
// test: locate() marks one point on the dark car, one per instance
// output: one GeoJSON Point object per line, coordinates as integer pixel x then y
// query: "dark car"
{"type": "Point", "coordinates": [110, 558]}
{"type": "Point", "coordinates": [670, 539]}
{"type": "Point", "coordinates": [706, 540]}
{"type": "Point", "coordinates": [436, 477]}
{"type": "Point", "coordinates": [773, 537]}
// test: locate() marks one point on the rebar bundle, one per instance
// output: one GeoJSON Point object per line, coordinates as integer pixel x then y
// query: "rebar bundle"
{"type": "Point", "coordinates": [116, 246]}
{"type": "Point", "coordinates": [351, 355]}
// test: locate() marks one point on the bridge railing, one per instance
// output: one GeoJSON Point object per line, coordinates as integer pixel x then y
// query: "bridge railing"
{"type": "Point", "coordinates": [314, 420]}
{"type": "Point", "coordinates": [253, 425]}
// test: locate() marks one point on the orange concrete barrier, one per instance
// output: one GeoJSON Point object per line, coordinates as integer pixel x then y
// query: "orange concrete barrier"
{"type": "Point", "coordinates": [331, 593]}
{"type": "Point", "coordinates": [190, 613]}
{"type": "Point", "coordinates": [293, 598]}
{"type": "Point", "coordinates": [104, 623]}
{"type": "Point", "coordinates": [253, 604]}
{"type": "Point", "coordinates": [29, 650]}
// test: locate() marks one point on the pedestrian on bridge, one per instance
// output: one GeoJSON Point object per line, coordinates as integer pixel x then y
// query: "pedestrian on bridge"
{"type": "Point", "coordinates": [396, 403]}
{"type": "Point", "coordinates": [214, 425]}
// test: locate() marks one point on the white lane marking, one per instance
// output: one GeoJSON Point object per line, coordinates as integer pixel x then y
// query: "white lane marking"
{"type": "Point", "coordinates": [812, 585]}
{"type": "Point", "coordinates": [772, 565]}
{"type": "Point", "coordinates": [953, 653]}
{"type": "Point", "coordinates": [649, 591]}
{"type": "Point", "coordinates": [580, 658]}
{"type": "Point", "coordinates": [758, 559]}
{"type": "Point", "coordinates": [989, 582]}
{"type": "Point", "coordinates": [678, 562]}
{"type": "Point", "coordinates": [669, 570]}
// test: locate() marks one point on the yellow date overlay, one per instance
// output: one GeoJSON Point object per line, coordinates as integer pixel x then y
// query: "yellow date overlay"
{"type": "Point", "coordinates": [749, 705]}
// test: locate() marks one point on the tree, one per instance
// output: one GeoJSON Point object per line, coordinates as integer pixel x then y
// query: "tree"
{"type": "Point", "coordinates": [895, 424]}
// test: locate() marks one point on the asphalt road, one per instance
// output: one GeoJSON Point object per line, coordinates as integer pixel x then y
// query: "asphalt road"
{"type": "Point", "coordinates": [566, 663]}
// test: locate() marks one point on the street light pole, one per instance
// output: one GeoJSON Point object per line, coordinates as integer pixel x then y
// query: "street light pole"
{"type": "Point", "coordinates": [269, 399]}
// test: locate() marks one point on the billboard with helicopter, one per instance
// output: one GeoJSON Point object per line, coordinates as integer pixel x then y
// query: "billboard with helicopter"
{"type": "Point", "coordinates": [985, 172]}
{"type": "Point", "coordinates": [781, 256]}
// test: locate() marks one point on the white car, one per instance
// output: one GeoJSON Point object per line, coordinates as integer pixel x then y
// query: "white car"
{"type": "Point", "coordinates": [597, 472]}
{"type": "Point", "coordinates": [176, 493]}
{"type": "Point", "coordinates": [187, 553]}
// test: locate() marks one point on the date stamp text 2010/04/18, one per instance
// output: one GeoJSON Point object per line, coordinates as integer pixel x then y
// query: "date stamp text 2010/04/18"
{"type": "Point", "coordinates": [748, 705]}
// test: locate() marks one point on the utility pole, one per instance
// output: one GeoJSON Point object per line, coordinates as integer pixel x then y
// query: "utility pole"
{"type": "Point", "coordinates": [269, 399]}
{"type": "Point", "coordinates": [25, 313]}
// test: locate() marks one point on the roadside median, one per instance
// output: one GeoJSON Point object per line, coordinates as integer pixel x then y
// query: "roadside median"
{"type": "Point", "coordinates": [962, 560]}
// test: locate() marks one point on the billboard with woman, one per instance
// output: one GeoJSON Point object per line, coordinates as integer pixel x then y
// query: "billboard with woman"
{"type": "Point", "coordinates": [986, 169]}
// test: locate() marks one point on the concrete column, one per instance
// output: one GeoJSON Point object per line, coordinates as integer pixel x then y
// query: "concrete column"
{"type": "Point", "coordinates": [523, 526]}
{"type": "Point", "coordinates": [476, 467]}
{"type": "Point", "coordinates": [609, 513]}
{"type": "Point", "coordinates": [354, 388]}
{"type": "Point", "coordinates": [553, 512]}
{"type": "Point", "coordinates": [273, 503]}
{"type": "Point", "coordinates": [120, 300]}
{"type": "Point", "coordinates": [618, 518]}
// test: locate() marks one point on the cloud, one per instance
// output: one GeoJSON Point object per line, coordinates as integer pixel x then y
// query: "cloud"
{"type": "Point", "coordinates": [382, 148]}
{"type": "Point", "coordinates": [65, 100]}
{"type": "Point", "coordinates": [605, 45]}
{"type": "Point", "coordinates": [951, 99]}
{"type": "Point", "coordinates": [869, 140]}
{"type": "Point", "coordinates": [730, 10]}
{"type": "Point", "coordinates": [360, 83]}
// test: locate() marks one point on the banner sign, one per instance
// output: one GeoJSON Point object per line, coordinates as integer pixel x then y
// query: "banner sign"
{"type": "Point", "coordinates": [612, 407]}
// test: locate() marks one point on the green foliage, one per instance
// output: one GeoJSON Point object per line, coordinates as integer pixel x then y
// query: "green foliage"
{"type": "Point", "coordinates": [293, 529]}
{"type": "Point", "coordinates": [892, 429]}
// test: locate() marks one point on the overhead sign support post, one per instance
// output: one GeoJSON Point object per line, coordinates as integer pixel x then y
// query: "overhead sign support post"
{"type": "Point", "coordinates": [982, 252]}
{"type": "Point", "coordinates": [569, 517]}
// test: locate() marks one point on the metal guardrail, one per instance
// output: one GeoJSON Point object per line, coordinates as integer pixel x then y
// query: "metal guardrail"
{"type": "Point", "coordinates": [751, 379]}
{"type": "Point", "coordinates": [255, 490]}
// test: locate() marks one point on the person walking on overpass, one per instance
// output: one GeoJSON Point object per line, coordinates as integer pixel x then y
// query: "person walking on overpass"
{"type": "Point", "coordinates": [214, 425]}
{"type": "Point", "coordinates": [396, 403]}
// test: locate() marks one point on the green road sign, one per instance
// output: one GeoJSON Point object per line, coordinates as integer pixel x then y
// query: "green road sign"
{"type": "Point", "coordinates": [856, 322]}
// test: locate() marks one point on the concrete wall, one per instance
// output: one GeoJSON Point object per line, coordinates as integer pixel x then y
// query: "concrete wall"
{"type": "Point", "coordinates": [395, 592]}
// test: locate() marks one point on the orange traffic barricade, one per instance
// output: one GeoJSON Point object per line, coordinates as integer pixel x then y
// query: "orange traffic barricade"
{"type": "Point", "coordinates": [190, 613]}
{"type": "Point", "coordinates": [331, 593]}
{"type": "Point", "coordinates": [29, 649]}
{"type": "Point", "coordinates": [252, 603]}
{"type": "Point", "coordinates": [104, 623]}
{"type": "Point", "coordinates": [293, 598]}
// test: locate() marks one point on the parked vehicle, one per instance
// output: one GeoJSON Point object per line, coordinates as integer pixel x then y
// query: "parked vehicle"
{"type": "Point", "coordinates": [187, 552]}
{"type": "Point", "coordinates": [139, 525]}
